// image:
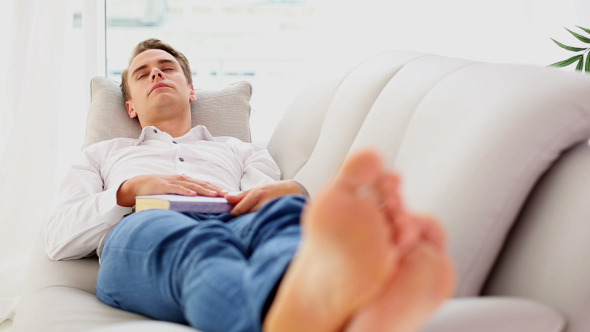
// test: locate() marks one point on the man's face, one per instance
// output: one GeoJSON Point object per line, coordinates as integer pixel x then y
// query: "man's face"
{"type": "Point", "coordinates": [158, 87]}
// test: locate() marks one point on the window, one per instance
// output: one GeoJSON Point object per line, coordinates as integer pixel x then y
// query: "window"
{"type": "Point", "coordinates": [262, 42]}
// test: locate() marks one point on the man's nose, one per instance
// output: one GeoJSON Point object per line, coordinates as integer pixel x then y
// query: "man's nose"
{"type": "Point", "coordinates": [157, 74]}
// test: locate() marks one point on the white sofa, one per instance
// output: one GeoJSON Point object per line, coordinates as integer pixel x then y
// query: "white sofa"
{"type": "Point", "coordinates": [497, 152]}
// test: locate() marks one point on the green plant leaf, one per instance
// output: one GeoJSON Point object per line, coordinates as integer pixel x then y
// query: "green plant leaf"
{"type": "Point", "coordinates": [568, 61]}
{"type": "Point", "coordinates": [569, 48]}
{"type": "Point", "coordinates": [587, 30]}
{"type": "Point", "coordinates": [580, 65]}
{"type": "Point", "coordinates": [580, 37]}
{"type": "Point", "coordinates": [587, 63]}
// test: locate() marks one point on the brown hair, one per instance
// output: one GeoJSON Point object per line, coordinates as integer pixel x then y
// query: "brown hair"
{"type": "Point", "coordinates": [150, 44]}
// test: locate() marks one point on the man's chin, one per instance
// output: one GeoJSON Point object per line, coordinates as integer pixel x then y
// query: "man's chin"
{"type": "Point", "coordinates": [166, 105]}
{"type": "Point", "coordinates": [161, 96]}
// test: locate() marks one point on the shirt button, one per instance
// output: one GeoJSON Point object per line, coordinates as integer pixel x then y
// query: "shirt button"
{"type": "Point", "coordinates": [155, 131]}
{"type": "Point", "coordinates": [181, 159]}
{"type": "Point", "coordinates": [175, 142]}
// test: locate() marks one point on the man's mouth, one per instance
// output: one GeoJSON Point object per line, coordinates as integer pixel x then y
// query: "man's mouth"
{"type": "Point", "coordinates": [159, 85]}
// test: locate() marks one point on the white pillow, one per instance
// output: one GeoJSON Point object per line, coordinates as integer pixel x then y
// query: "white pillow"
{"type": "Point", "coordinates": [225, 112]}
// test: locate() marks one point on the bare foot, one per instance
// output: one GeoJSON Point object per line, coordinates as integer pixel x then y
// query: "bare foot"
{"type": "Point", "coordinates": [423, 280]}
{"type": "Point", "coordinates": [349, 251]}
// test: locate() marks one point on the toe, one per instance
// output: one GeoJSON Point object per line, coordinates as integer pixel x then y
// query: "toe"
{"type": "Point", "coordinates": [361, 169]}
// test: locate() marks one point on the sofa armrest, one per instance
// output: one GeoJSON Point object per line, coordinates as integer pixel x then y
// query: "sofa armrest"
{"type": "Point", "coordinates": [545, 256]}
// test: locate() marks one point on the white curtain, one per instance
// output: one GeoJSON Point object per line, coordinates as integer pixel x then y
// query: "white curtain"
{"type": "Point", "coordinates": [31, 86]}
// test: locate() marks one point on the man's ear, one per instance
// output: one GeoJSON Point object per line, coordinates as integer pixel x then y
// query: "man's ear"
{"type": "Point", "coordinates": [130, 110]}
{"type": "Point", "coordinates": [192, 97]}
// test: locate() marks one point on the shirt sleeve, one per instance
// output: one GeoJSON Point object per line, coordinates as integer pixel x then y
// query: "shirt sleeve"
{"type": "Point", "coordinates": [83, 211]}
{"type": "Point", "coordinates": [258, 165]}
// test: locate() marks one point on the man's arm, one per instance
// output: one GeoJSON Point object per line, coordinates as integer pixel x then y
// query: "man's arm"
{"type": "Point", "coordinates": [253, 199]}
{"type": "Point", "coordinates": [83, 210]}
{"type": "Point", "coordinates": [155, 184]}
{"type": "Point", "coordinates": [259, 182]}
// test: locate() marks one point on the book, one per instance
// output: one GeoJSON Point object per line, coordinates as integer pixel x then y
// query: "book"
{"type": "Point", "coordinates": [199, 204]}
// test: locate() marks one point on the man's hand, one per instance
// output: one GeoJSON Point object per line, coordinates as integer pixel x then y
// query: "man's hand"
{"type": "Point", "coordinates": [253, 199]}
{"type": "Point", "coordinates": [157, 184]}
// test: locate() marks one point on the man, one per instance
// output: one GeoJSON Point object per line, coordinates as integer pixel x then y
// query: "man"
{"type": "Point", "coordinates": [353, 259]}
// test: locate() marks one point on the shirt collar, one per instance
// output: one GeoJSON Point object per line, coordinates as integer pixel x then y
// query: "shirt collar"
{"type": "Point", "coordinates": [153, 133]}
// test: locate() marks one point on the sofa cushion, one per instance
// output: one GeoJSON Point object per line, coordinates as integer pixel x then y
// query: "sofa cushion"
{"type": "Point", "coordinates": [69, 287]}
{"type": "Point", "coordinates": [476, 145]}
{"type": "Point", "coordinates": [144, 326]}
{"type": "Point", "coordinates": [225, 112]}
{"type": "Point", "coordinates": [493, 314]}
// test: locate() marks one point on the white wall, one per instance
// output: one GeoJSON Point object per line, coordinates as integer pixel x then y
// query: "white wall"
{"type": "Point", "coordinates": [515, 31]}
{"type": "Point", "coordinates": [509, 31]}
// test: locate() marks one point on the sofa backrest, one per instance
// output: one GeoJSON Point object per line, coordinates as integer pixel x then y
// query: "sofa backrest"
{"type": "Point", "coordinates": [545, 256]}
{"type": "Point", "coordinates": [470, 139]}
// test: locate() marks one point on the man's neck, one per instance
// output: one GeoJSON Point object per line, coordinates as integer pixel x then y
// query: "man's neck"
{"type": "Point", "coordinates": [176, 126]}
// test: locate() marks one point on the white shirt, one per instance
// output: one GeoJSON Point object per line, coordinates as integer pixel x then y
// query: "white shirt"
{"type": "Point", "coordinates": [86, 206]}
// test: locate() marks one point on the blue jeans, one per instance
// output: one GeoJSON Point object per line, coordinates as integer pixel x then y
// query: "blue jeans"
{"type": "Point", "coordinates": [214, 272]}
